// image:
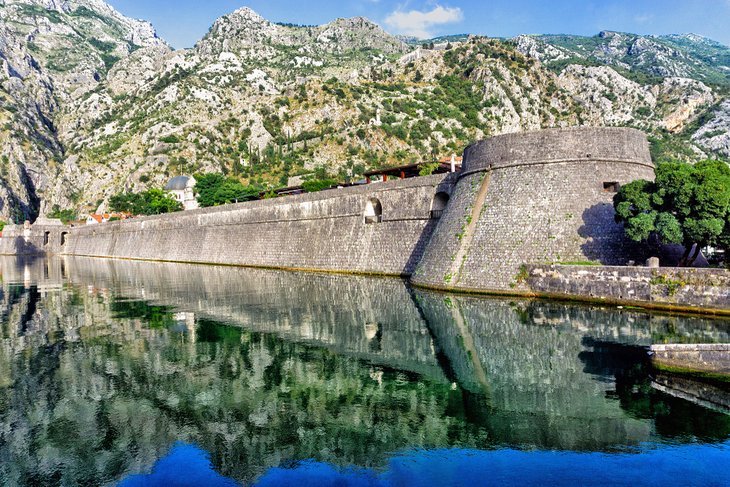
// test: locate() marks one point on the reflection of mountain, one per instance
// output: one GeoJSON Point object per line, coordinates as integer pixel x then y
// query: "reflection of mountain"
{"type": "Point", "coordinates": [105, 364]}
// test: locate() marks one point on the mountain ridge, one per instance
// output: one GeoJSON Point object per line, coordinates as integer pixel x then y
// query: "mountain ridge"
{"type": "Point", "coordinates": [264, 101]}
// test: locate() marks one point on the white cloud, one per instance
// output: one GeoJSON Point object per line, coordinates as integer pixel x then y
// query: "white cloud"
{"type": "Point", "coordinates": [419, 24]}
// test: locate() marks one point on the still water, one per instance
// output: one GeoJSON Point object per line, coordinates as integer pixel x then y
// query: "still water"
{"type": "Point", "coordinates": [134, 373]}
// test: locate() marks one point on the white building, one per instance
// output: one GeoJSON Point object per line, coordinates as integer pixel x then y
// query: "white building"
{"type": "Point", "coordinates": [182, 189]}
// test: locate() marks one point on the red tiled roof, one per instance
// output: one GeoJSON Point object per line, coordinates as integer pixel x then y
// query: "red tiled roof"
{"type": "Point", "coordinates": [100, 218]}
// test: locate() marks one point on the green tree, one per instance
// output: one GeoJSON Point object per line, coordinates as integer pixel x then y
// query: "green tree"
{"type": "Point", "coordinates": [158, 201]}
{"type": "Point", "coordinates": [686, 204]}
{"type": "Point", "coordinates": [214, 189]}
{"type": "Point", "coordinates": [151, 202]}
{"type": "Point", "coordinates": [66, 215]}
{"type": "Point", "coordinates": [233, 191]}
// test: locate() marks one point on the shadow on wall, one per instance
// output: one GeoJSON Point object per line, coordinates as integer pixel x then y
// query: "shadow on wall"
{"type": "Point", "coordinates": [605, 239]}
{"type": "Point", "coordinates": [22, 247]}
{"type": "Point", "coordinates": [608, 245]}
{"type": "Point", "coordinates": [420, 247]}
{"type": "Point", "coordinates": [439, 203]}
{"type": "Point", "coordinates": [670, 255]}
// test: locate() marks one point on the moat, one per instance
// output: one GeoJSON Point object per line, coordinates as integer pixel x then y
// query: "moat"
{"type": "Point", "coordinates": [139, 373]}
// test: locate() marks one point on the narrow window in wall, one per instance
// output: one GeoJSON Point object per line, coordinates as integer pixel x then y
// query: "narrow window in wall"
{"type": "Point", "coordinates": [46, 237]}
{"type": "Point", "coordinates": [611, 187]}
{"type": "Point", "coordinates": [63, 238]}
{"type": "Point", "coordinates": [373, 211]}
{"type": "Point", "coordinates": [438, 205]}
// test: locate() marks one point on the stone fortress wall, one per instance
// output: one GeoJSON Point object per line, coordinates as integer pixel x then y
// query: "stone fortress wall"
{"type": "Point", "coordinates": [522, 201]}
{"type": "Point", "coordinates": [380, 228]}
{"type": "Point", "coordinates": [534, 198]}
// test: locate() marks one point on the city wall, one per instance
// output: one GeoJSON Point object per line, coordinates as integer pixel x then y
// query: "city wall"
{"type": "Point", "coordinates": [380, 228]}
{"type": "Point", "coordinates": [523, 208]}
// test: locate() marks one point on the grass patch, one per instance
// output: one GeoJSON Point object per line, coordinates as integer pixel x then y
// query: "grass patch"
{"type": "Point", "coordinates": [673, 285]}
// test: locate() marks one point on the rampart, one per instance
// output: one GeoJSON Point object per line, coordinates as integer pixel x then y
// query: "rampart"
{"type": "Point", "coordinates": [539, 197]}
{"type": "Point", "coordinates": [524, 208]}
{"type": "Point", "coordinates": [380, 228]}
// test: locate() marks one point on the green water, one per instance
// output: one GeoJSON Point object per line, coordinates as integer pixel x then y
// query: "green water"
{"type": "Point", "coordinates": [105, 365]}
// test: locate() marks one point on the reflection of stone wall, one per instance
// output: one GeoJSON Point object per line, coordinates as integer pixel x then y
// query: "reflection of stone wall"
{"type": "Point", "coordinates": [532, 374]}
{"type": "Point", "coordinates": [372, 318]}
{"type": "Point", "coordinates": [96, 395]}
{"type": "Point", "coordinates": [547, 368]}
{"type": "Point", "coordinates": [91, 398]}
{"type": "Point", "coordinates": [530, 198]}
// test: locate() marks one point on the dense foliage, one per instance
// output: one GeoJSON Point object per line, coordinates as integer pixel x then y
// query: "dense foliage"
{"type": "Point", "coordinates": [318, 185]}
{"type": "Point", "coordinates": [687, 204]}
{"type": "Point", "coordinates": [214, 189]}
{"type": "Point", "coordinates": [66, 216]}
{"type": "Point", "coordinates": [151, 202]}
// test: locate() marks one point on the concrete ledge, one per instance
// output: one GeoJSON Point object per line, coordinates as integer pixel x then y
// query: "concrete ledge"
{"type": "Point", "coordinates": [699, 347]}
{"type": "Point", "coordinates": [704, 360]}
{"type": "Point", "coordinates": [683, 288]}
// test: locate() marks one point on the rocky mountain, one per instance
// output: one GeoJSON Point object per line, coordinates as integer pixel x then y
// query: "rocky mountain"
{"type": "Point", "coordinates": [638, 57]}
{"type": "Point", "coordinates": [94, 103]}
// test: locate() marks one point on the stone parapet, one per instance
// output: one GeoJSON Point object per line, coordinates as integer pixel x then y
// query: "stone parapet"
{"type": "Point", "coordinates": [586, 144]}
{"type": "Point", "coordinates": [688, 289]}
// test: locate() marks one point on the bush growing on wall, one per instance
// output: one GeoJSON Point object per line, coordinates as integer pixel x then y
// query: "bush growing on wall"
{"type": "Point", "coordinates": [318, 185]}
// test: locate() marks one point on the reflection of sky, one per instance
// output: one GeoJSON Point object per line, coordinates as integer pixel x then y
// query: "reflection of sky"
{"type": "Point", "coordinates": [699, 465]}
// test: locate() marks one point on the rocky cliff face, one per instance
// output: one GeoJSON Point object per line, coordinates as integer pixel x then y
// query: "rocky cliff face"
{"type": "Point", "coordinates": [51, 54]}
{"type": "Point", "coordinates": [93, 103]}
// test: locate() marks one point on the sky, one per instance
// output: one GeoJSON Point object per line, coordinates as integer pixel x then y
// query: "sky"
{"type": "Point", "coordinates": [183, 22]}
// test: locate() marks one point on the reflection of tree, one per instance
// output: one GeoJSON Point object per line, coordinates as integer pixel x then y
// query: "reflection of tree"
{"type": "Point", "coordinates": [153, 316]}
{"type": "Point", "coordinates": [552, 369]}
{"type": "Point", "coordinates": [102, 378]}
{"type": "Point", "coordinates": [113, 401]}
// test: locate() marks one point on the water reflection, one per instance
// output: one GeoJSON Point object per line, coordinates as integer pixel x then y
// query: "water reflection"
{"type": "Point", "coordinates": [104, 365]}
{"type": "Point", "coordinates": [688, 465]}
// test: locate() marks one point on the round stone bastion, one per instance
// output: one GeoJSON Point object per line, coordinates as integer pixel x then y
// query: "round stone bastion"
{"type": "Point", "coordinates": [534, 198]}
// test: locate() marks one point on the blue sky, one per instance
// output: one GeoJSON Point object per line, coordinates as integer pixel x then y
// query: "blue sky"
{"type": "Point", "coordinates": [183, 22]}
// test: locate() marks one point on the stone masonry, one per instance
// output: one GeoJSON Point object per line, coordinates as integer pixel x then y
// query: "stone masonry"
{"type": "Point", "coordinates": [522, 203]}
{"type": "Point", "coordinates": [324, 231]}
{"type": "Point", "coordinates": [539, 197]}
